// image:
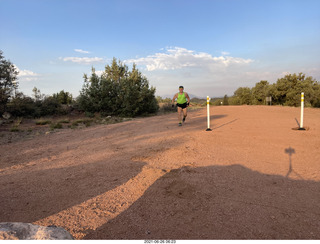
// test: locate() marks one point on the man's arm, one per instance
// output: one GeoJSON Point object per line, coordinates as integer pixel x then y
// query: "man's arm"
{"type": "Point", "coordinates": [174, 98]}
{"type": "Point", "coordinates": [187, 96]}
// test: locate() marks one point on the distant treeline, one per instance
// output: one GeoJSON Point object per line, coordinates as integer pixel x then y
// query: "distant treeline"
{"type": "Point", "coordinates": [118, 91]}
{"type": "Point", "coordinates": [286, 91]}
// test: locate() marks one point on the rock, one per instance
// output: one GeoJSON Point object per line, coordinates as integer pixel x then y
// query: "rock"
{"type": "Point", "coordinates": [26, 231]}
{"type": "Point", "coordinates": [6, 115]}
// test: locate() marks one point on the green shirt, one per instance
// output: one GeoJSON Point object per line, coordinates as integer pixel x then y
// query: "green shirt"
{"type": "Point", "coordinates": [181, 98]}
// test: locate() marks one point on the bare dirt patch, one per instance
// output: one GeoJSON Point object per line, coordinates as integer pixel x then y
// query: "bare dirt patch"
{"type": "Point", "coordinates": [251, 177]}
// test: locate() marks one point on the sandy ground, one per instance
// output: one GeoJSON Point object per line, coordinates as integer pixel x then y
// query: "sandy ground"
{"type": "Point", "coordinates": [150, 179]}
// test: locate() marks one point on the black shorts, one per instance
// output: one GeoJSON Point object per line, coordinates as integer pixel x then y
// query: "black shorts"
{"type": "Point", "coordinates": [183, 106]}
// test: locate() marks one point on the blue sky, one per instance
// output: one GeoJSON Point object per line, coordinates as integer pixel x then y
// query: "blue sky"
{"type": "Point", "coordinates": [212, 47]}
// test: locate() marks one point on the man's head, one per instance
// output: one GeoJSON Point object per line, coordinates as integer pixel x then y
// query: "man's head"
{"type": "Point", "coordinates": [180, 88]}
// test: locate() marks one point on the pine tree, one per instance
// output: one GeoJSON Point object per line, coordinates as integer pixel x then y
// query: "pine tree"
{"type": "Point", "coordinates": [8, 81]}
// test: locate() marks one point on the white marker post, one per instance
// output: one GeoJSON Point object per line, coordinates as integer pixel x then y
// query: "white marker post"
{"type": "Point", "coordinates": [301, 114]}
{"type": "Point", "coordinates": [208, 114]}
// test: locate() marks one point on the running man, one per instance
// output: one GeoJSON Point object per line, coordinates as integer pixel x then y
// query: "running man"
{"type": "Point", "coordinates": [182, 104]}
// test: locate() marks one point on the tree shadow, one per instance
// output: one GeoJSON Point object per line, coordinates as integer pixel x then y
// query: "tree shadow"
{"type": "Point", "coordinates": [219, 202]}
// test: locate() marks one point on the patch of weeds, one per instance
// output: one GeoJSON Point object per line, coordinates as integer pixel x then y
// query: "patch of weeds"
{"type": "Point", "coordinates": [16, 125]}
{"type": "Point", "coordinates": [75, 124]}
{"type": "Point", "coordinates": [113, 120]}
{"type": "Point", "coordinates": [15, 129]}
{"type": "Point", "coordinates": [72, 126]}
{"type": "Point", "coordinates": [43, 122]}
{"type": "Point", "coordinates": [64, 121]}
{"type": "Point", "coordinates": [56, 126]}
{"type": "Point", "coordinates": [18, 122]}
{"type": "Point", "coordinates": [86, 122]}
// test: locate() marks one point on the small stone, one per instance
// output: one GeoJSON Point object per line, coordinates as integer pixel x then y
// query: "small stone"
{"type": "Point", "coordinates": [6, 115]}
{"type": "Point", "coordinates": [27, 231]}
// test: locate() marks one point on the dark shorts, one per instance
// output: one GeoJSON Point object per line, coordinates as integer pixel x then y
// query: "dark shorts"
{"type": "Point", "coordinates": [183, 106]}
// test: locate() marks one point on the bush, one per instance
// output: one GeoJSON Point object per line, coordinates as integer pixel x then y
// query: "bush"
{"type": "Point", "coordinates": [49, 106]}
{"type": "Point", "coordinates": [22, 106]}
{"type": "Point", "coordinates": [56, 126]}
{"type": "Point", "coordinates": [43, 122]}
{"type": "Point", "coordinates": [118, 92]}
{"type": "Point", "coordinates": [217, 102]}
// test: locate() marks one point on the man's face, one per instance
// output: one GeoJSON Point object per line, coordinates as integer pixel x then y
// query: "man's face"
{"type": "Point", "coordinates": [180, 90]}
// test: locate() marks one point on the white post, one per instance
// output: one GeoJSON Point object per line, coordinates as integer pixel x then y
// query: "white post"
{"type": "Point", "coordinates": [208, 114]}
{"type": "Point", "coordinates": [302, 107]}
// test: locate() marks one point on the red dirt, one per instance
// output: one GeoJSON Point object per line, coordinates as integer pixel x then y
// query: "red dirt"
{"type": "Point", "coordinates": [150, 179]}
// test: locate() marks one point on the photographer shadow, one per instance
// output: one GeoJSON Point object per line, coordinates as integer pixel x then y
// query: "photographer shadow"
{"type": "Point", "coordinates": [219, 202]}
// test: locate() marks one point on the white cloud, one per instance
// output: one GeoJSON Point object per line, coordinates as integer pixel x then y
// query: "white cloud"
{"type": "Point", "coordinates": [27, 75]}
{"type": "Point", "coordinates": [81, 51]}
{"type": "Point", "coordinates": [201, 72]}
{"type": "Point", "coordinates": [99, 72]}
{"type": "Point", "coordinates": [177, 58]}
{"type": "Point", "coordinates": [84, 60]}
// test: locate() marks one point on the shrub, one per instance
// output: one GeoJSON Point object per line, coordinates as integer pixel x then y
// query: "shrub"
{"type": "Point", "coordinates": [56, 126]}
{"type": "Point", "coordinates": [43, 122]}
{"type": "Point", "coordinates": [22, 106]}
{"type": "Point", "coordinates": [118, 92]}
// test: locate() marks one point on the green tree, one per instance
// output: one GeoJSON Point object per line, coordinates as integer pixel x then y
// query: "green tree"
{"type": "Point", "coordinates": [243, 95]}
{"type": "Point", "coordinates": [315, 101]}
{"type": "Point", "coordinates": [118, 91]}
{"type": "Point", "coordinates": [37, 94]}
{"type": "Point", "coordinates": [287, 90]}
{"type": "Point", "coordinates": [49, 106]}
{"type": "Point", "coordinates": [63, 97]}
{"type": "Point", "coordinates": [22, 106]}
{"type": "Point", "coordinates": [225, 100]}
{"type": "Point", "coordinates": [216, 102]}
{"type": "Point", "coordinates": [260, 92]}
{"type": "Point", "coordinates": [8, 81]}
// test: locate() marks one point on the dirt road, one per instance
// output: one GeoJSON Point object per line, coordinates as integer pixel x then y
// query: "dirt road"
{"type": "Point", "coordinates": [251, 177]}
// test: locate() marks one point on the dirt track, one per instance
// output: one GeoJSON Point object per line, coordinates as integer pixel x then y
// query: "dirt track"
{"type": "Point", "coordinates": [150, 179]}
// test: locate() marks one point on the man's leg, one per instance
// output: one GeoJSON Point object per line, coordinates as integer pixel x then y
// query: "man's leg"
{"type": "Point", "coordinates": [180, 115]}
{"type": "Point", "coordinates": [184, 114]}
